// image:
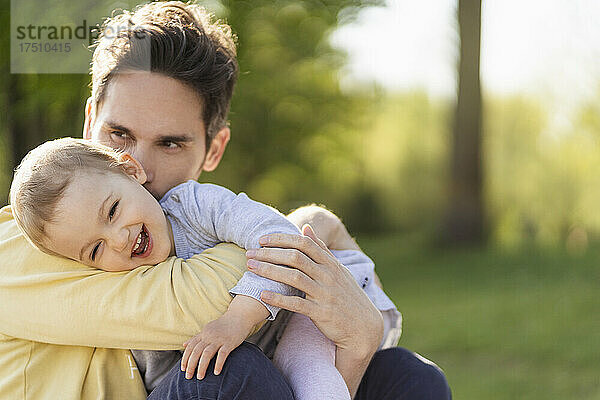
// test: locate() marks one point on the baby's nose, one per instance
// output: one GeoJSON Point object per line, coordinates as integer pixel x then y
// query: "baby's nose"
{"type": "Point", "coordinates": [119, 239]}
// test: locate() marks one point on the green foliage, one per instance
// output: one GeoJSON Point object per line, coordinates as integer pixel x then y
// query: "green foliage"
{"type": "Point", "coordinates": [543, 182]}
{"type": "Point", "coordinates": [290, 121]}
{"type": "Point", "coordinates": [404, 151]}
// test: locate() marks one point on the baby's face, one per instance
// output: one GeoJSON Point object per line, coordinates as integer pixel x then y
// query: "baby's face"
{"type": "Point", "coordinates": [109, 221]}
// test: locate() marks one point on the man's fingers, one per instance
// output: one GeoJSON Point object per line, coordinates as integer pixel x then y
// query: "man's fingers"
{"type": "Point", "coordinates": [221, 357]}
{"type": "Point", "coordinates": [291, 303]}
{"type": "Point", "coordinates": [307, 230]}
{"type": "Point", "coordinates": [289, 276]}
{"type": "Point", "coordinates": [302, 243]}
{"type": "Point", "coordinates": [207, 355]}
{"type": "Point", "coordinates": [288, 257]}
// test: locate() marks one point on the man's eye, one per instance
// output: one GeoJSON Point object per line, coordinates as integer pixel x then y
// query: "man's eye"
{"type": "Point", "coordinates": [119, 134]}
{"type": "Point", "coordinates": [171, 145]}
{"type": "Point", "coordinates": [94, 251]}
{"type": "Point", "coordinates": [113, 210]}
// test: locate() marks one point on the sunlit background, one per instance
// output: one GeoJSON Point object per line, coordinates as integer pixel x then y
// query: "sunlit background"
{"type": "Point", "coordinates": [352, 104]}
{"type": "Point", "coordinates": [541, 84]}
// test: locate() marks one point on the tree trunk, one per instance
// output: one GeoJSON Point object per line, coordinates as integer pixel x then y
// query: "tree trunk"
{"type": "Point", "coordinates": [464, 221]}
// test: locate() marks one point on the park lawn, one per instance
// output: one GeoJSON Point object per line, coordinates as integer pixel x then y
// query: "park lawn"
{"type": "Point", "coordinates": [521, 325]}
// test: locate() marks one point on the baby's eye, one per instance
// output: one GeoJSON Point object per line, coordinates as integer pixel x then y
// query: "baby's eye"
{"type": "Point", "coordinates": [113, 210]}
{"type": "Point", "coordinates": [94, 251]}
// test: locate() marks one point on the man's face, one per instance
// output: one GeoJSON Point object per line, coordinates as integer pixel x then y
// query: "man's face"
{"type": "Point", "coordinates": [158, 120]}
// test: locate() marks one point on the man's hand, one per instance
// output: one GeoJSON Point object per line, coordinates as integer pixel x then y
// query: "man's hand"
{"type": "Point", "coordinates": [334, 301]}
{"type": "Point", "coordinates": [220, 337]}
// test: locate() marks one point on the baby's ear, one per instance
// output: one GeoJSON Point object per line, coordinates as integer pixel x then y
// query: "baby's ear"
{"type": "Point", "coordinates": [133, 168]}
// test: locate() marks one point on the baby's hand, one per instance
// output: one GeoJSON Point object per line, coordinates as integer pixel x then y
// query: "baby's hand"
{"type": "Point", "coordinates": [220, 337]}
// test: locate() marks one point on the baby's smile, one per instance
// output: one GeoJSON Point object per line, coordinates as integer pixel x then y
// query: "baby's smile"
{"type": "Point", "coordinates": [143, 244]}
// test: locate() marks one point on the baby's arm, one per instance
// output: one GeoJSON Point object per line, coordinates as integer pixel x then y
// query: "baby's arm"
{"type": "Point", "coordinates": [222, 335]}
{"type": "Point", "coordinates": [219, 215]}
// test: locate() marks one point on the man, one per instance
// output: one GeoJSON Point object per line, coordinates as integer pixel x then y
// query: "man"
{"type": "Point", "coordinates": [161, 89]}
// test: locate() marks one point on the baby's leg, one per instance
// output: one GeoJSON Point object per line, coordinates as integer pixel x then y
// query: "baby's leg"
{"type": "Point", "coordinates": [307, 359]}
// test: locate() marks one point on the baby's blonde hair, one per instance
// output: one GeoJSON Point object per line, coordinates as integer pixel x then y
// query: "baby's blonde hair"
{"type": "Point", "coordinates": [45, 172]}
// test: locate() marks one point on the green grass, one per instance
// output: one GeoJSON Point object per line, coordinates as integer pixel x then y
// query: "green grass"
{"type": "Point", "coordinates": [501, 325]}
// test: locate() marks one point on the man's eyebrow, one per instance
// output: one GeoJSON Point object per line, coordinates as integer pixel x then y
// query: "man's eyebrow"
{"type": "Point", "coordinates": [183, 138]}
{"type": "Point", "coordinates": [117, 126]}
{"type": "Point", "coordinates": [178, 138]}
{"type": "Point", "coordinates": [100, 214]}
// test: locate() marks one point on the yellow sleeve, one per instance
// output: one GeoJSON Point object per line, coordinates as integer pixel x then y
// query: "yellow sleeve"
{"type": "Point", "coordinates": [54, 300]}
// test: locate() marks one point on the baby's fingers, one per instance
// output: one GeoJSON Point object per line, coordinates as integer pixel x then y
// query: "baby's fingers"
{"type": "Point", "coordinates": [207, 355]}
{"type": "Point", "coordinates": [189, 346]}
{"type": "Point", "coordinates": [186, 354]}
{"type": "Point", "coordinates": [221, 357]}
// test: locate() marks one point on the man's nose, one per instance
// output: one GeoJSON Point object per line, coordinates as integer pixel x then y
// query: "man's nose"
{"type": "Point", "coordinates": [145, 157]}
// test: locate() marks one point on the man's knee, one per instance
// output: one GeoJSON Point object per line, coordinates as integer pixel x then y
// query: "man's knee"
{"type": "Point", "coordinates": [251, 375]}
{"type": "Point", "coordinates": [398, 373]}
{"type": "Point", "coordinates": [247, 374]}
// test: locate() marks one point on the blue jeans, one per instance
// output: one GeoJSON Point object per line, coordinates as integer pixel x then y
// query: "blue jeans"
{"type": "Point", "coordinates": [395, 373]}
{"type": "Point", "coordinates": [400, 374]}
{"type": "Point", "coordinates": [247, 374]}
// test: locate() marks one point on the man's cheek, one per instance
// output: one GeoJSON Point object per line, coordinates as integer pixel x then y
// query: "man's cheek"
{"type": "Point", "coordinates": [180, 169]}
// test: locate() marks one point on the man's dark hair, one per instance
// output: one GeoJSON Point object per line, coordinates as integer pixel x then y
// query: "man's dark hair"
{"type": "Point", "coordinates": [178, 40]}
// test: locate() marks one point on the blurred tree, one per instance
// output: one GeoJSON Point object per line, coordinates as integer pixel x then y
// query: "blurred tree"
{"type": "Point", "coordinates": [290, 121]}
{"type": "Point", "coordinates": [37, 107]}
{"type": "Point", "coordinates": [464, 221]}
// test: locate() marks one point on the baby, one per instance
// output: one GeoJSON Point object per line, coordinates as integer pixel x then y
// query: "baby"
{"type": "Point", "coordinates": [85, 201]}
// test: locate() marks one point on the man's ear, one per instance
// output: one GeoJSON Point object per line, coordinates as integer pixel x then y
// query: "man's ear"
{"type": "Point", "coordinates": [89, 116]}
{"type": "Point", "coordinates": [133, 168]}
{"type": "Point", "coordinates": [216, 150]}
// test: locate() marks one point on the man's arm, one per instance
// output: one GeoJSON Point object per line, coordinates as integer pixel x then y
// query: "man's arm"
{"type": "Point", "coordinates": [54, 300]}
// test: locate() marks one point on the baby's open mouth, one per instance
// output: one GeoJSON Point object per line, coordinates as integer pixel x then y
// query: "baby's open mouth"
{"type": "Point", "coordinates": [142, 243]}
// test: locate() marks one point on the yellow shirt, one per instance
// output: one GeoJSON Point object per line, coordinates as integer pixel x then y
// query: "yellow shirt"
{"type": "Point", "coordinates": [65, 328]}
